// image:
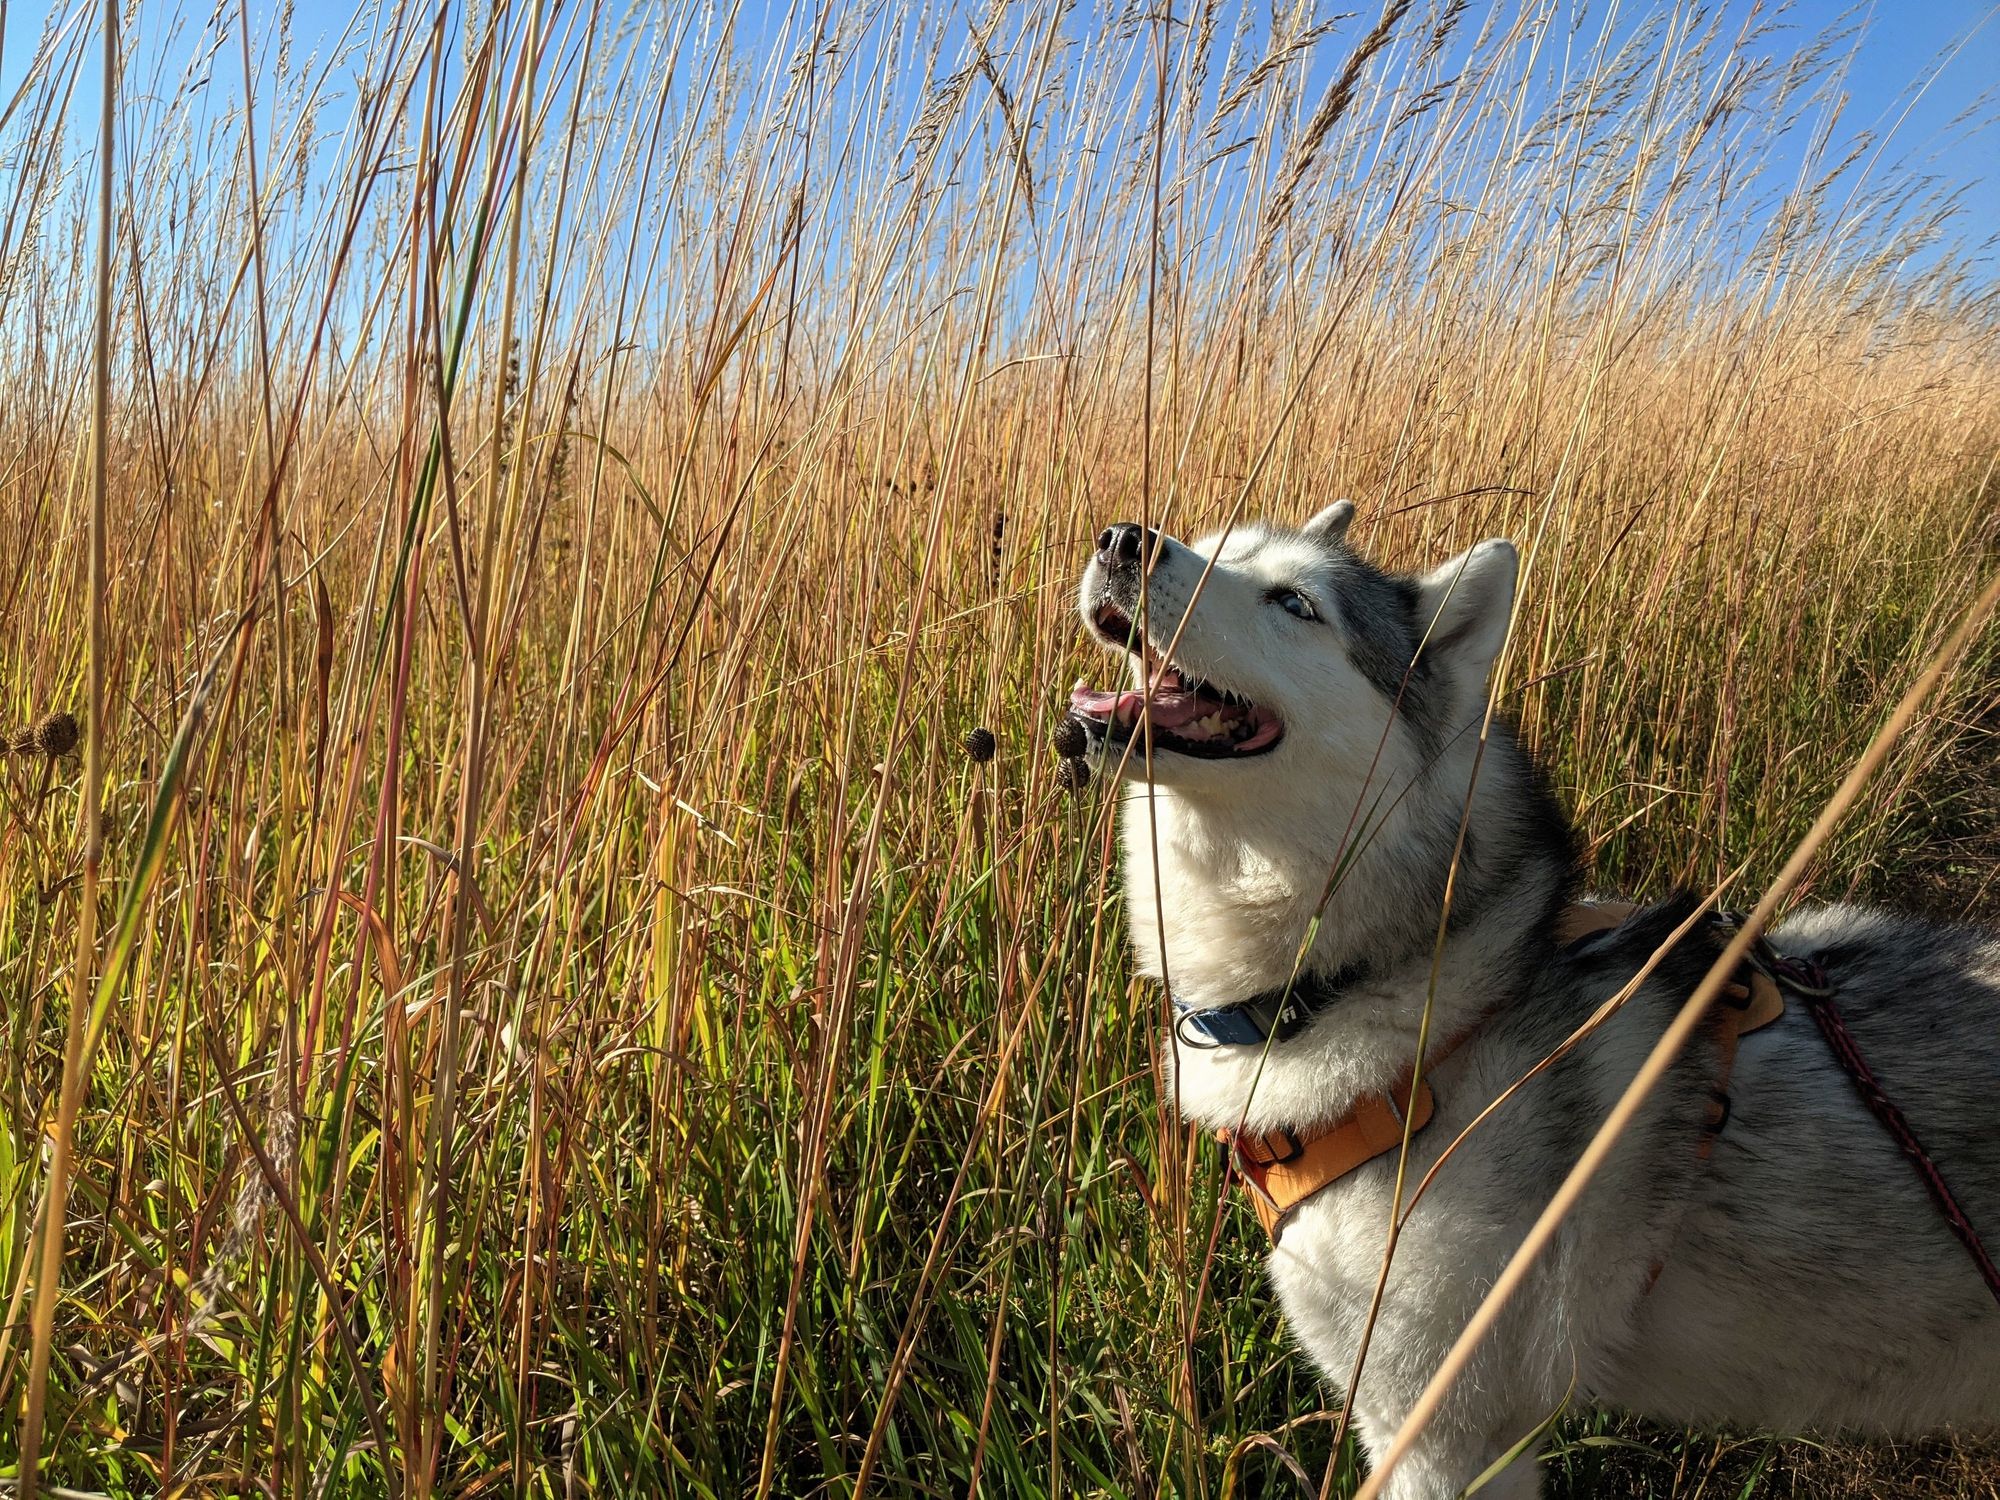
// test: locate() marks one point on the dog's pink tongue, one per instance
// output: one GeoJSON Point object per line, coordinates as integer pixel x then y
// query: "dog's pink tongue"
{"type": "Point", "coordinates": [1170, 710]}
{"type": "Point", "coordinates": [1268, 729]}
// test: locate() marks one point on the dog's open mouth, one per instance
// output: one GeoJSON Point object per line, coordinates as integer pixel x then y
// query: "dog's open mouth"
{"type": "Point", "coordinates": [1189, 716]}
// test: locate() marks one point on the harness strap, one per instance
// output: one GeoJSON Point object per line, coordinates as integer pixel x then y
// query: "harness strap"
{"type": "Point", "coordinates": [1747, 1003]}
{"type": "Point", "coordinates": [1280, 1169]}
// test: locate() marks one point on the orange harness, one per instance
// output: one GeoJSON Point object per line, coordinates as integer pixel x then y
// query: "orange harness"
{"type": "Point", "coordinates": [1281, 1168]}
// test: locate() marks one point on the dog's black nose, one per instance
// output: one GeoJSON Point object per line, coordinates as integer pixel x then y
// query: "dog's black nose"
{"type": "Point", "coordinates": [1123, 544]}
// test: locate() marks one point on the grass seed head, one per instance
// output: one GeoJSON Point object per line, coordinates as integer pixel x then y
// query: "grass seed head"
{"type": "Point", "coordinates": [51, 735]}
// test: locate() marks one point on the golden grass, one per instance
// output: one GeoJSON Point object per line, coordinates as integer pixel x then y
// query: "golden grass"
{"type": "Point", "coordinates": [575, 1020]}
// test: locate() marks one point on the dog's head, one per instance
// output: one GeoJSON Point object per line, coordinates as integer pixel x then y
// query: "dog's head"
{"type": "Point", "coordinates": [1269, 658]}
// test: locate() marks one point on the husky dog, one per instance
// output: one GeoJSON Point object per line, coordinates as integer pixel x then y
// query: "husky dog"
{"type": "Point", "coordinates": [1300, 720]}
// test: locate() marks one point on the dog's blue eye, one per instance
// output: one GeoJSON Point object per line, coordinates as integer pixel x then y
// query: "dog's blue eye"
{"type": "Point", "coordinates": [1293, 602]}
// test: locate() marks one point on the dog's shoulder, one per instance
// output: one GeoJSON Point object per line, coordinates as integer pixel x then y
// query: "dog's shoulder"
{"type": "Point", "coordinates": [1669, 934]}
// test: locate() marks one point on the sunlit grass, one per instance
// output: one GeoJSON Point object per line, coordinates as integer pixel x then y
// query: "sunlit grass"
{"type": "Point", "coordinates": [590, 1028]}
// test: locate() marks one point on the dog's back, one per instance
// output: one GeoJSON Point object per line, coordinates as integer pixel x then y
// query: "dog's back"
{"type": "Point", "coordinates": [1813, 1283]}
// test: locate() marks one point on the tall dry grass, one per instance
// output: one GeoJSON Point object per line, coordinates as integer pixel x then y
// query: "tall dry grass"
{"type": "Point", "coordinates": [575, 1021]}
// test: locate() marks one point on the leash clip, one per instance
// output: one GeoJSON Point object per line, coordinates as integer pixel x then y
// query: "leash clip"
{"type": "Point", "coordinates": [1804, 977]}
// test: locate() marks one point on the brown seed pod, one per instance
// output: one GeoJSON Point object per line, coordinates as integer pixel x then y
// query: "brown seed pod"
{"type": "Point", "coordinates": [980, 744]}
{"type": "Point", "coordinates": [997, 560]}
{"type": "Point", "coordinates": [1073, 775]}
{"type": "Point", "coordinates": [51, 735]}
{"type": "Point", "coordinates": [1070, 739]}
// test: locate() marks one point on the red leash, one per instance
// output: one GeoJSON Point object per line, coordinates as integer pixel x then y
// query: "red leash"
{"type": "Point", "coordinates": [1808, 981]}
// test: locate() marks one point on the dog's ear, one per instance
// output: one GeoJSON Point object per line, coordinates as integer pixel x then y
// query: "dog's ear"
{"type": "Point", "coordinates": [1464, 609]}
{"type": "Point", "coordinates": [1330, 525]}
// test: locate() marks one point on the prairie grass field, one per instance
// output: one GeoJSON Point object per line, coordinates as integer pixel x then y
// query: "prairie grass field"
{"type": "Point", "coordinates": [518, 987]}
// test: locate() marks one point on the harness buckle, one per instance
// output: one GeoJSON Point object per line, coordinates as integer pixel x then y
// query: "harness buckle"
{"type": "Point", "coordinates": [1719, 1120]}
{"type": "Point", "coordinates": [1256, 1147]}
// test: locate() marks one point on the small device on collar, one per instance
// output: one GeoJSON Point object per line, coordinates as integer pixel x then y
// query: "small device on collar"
{"type": "Point", "coordinates": [1270, 1016]}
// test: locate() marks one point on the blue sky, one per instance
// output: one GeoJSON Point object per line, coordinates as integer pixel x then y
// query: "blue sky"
{"type": "Point", "coordinates": [1956, 43]}
{"type": "Point", "coordinates": [1922, 75]}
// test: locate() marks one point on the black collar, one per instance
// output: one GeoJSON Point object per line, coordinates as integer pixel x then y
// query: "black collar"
{"type": "Point", "coordinates": [1269, 1016]}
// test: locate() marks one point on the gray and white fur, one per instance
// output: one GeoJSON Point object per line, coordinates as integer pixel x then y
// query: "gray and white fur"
{"type": "Point", "coordinates": [1804, 1280]}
